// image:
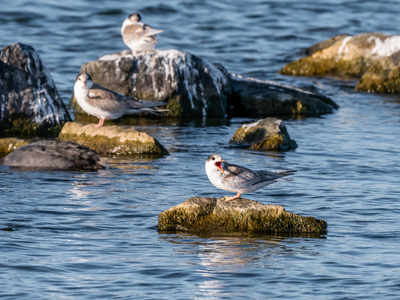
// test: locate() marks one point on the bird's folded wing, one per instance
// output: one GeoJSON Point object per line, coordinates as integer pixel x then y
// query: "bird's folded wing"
{"type": "Point", "coordinates": [106, 100]}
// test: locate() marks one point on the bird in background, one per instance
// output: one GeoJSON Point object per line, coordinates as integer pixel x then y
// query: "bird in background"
{"type": "Point", "coordinates": [106, 104]}
{"type": "Point", "coordinates": [234, 178]}
{"type": "Point", "coordinates": [137, 35]}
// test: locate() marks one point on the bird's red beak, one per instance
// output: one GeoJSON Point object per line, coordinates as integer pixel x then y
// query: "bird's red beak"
{"type": "Point", "coordinates": [218, 164]}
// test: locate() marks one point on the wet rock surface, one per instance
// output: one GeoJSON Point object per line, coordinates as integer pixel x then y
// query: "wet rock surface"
{"type": "Point", "coordinates": [254, 98]}
{"type": "Point", "coordinates": [53, 155]}
{"type": "Point", "coordinates": [264, 135]}
{"type": "Point", "coordinates": [192, 86]}
{"type": "Point", "coordinates": [112, 140]}
{"type": "Point", "coordinates": [29, 101]}
{"type": "Point", "coordinates": [212, 215]}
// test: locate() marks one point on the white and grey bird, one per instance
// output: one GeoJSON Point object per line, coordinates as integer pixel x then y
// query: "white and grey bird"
{"type": "Point", "coordinates": [234, 178]}
{"type": "Point", "coordinates": [109, 105]}
{"type": "Point", "coordinates": [137, 35]}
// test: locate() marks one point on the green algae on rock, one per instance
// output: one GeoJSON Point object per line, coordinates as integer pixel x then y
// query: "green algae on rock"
{"type": "Point", "coordinates": [269, 134]}
{"type": "Point", "coordinates": [112, 140]}
{"type": "Point", "coordinates": [8, 145]}
{"type": "Point", "coordinates": [383, 76]}
{"type": "Point", "coordinates": [212, 215]}
{"type": "Point", "coordinates": [343, 56]}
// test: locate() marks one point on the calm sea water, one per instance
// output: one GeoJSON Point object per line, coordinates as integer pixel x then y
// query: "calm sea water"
{"type": "Point", "coordinates": [79, 235]}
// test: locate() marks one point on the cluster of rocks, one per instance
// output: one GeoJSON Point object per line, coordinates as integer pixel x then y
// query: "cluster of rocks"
{"type": "Point", "coordinates": [31, 107]}
{"type": "Point", "coordinates": [372, 58]}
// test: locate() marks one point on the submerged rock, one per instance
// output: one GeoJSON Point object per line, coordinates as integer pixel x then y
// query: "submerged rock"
{"type": "Point", "coordinates": [344, 56]}
{"type": "Point", "coordinates": [205, 215]}
{"type": "Point", "coordinates": [192, 86]}
{"type": "Point", "coordinates": [53, 155]}
{"type": "Point", "coordinates": [29, 101]}
{"type": "Point", "coordinates": [8, 145]}
{"type": "Point", "coordinates": [253, 98]}
{"type": "Point", "coordinates": [112, 140]}
{"type": "Point", "coordinates": [264, 135]}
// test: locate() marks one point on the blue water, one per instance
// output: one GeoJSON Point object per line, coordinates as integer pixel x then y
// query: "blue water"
{"type": "Point", "coordinates": [93, 235]}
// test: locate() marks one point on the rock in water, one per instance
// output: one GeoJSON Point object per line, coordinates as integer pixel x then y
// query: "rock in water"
{"type": "Point", "coordinates": [8, 145]}
{"type": "Point", "coordinates": [264, 135]}
{"type": "Point", "coordinates": [252, 97]}
{"type": "Point", "coordinates": [211, 215]}
{"type": "Point", "coordinates": [383, 76]}
{"type": "Point", "coordinates": [192, 86]}
{"type": "Point", "coordinates": [112, 140]}
{"type": "Point", "coordinates": [344, 56]}
{"type": "Point", "coordinates": [53, 155]}
{"type": "Point", "coordinates": [29, 101]}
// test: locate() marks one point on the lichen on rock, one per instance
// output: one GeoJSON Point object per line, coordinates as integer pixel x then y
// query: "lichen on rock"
{"type": "Point", "coordinates": [264, 135]}
{"type": "Point", "coordinates": [112, 140]}
{"type": "Point", "coordinates": [211, 215]}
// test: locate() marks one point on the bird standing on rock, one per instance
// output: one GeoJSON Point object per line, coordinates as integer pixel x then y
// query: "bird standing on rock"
{"type": "Point", "coordinates": [233, 178]}
{"type": "Point", "coordinates": [137, 35]}
{"type": "Point", "coordinates": [106, 104]}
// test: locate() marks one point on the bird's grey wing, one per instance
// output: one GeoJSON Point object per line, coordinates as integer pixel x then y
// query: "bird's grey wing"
{"type": "Point", "coordinates": [238, 176]}
{"type": "Point", "coordinates": [106, 99]}
{"type": "Point", "coordinates": [272, 175]}
{"type": "Point", "coordinates": [148, 31]}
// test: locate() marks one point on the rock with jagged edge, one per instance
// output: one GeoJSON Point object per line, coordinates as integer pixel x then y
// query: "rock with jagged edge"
{"type": "Point", "coordinates": [29, 101]}
{"type": "Point", "coordinates": [112, 140]}
{"type": "Point", "coordinates": [269, 134]}
{"type": "Point", "coordinates": [211, 215]}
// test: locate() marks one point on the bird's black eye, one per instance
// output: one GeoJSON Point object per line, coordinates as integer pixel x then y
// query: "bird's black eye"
{"type": "Point", "coordinates": [213, 158]}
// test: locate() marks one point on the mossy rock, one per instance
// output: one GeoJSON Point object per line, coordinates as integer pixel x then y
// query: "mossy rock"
{"type": "Point", "coordinates": [112, 140]}
{"type": "Point", "coordinates": [268, 134]}
{"type": "Point", "coordinates": [342, 56]}
{"type": "Point", "coordinates": [382, 77]}
{"type": "Point", "coordinates": [211, 215]}
{"type": "Point", "coordinates": [8, 145]}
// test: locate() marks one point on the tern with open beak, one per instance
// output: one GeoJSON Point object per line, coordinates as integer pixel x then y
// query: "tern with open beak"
{"type": "Point", "coordinates": [233, 178]}
{"type": "Point", "coordinates": [137, 35]}
{"type": "Point", "coordinates": [109, 105]}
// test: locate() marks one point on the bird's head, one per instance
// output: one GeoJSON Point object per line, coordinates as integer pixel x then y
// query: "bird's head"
{"type": "Point", "coordinates": [84, 80]}
{"type": "Point", "coordinates": [215, 161]}
{"type": "Point", "coordinates": [135, 17]}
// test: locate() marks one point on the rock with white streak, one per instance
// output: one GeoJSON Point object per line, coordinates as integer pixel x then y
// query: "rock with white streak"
{"type": "Point", "coordinates": [344, 56]}
{"type": "Point", "coordinates": [29, 101]}
{"type": "Point", "coordinates": [192, 86]}
{"type": "Point", "coordinates": [268, 134]}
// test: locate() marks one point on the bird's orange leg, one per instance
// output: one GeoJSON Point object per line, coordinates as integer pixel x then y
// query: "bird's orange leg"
{"type": "Point", "coordinates": [101, 122]}
{"type": "Point", "coordinates": [227, 199]}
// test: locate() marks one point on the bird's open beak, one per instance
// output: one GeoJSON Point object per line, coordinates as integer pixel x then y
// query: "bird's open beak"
{"type": "Point", "coordinates": [218, 164]}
